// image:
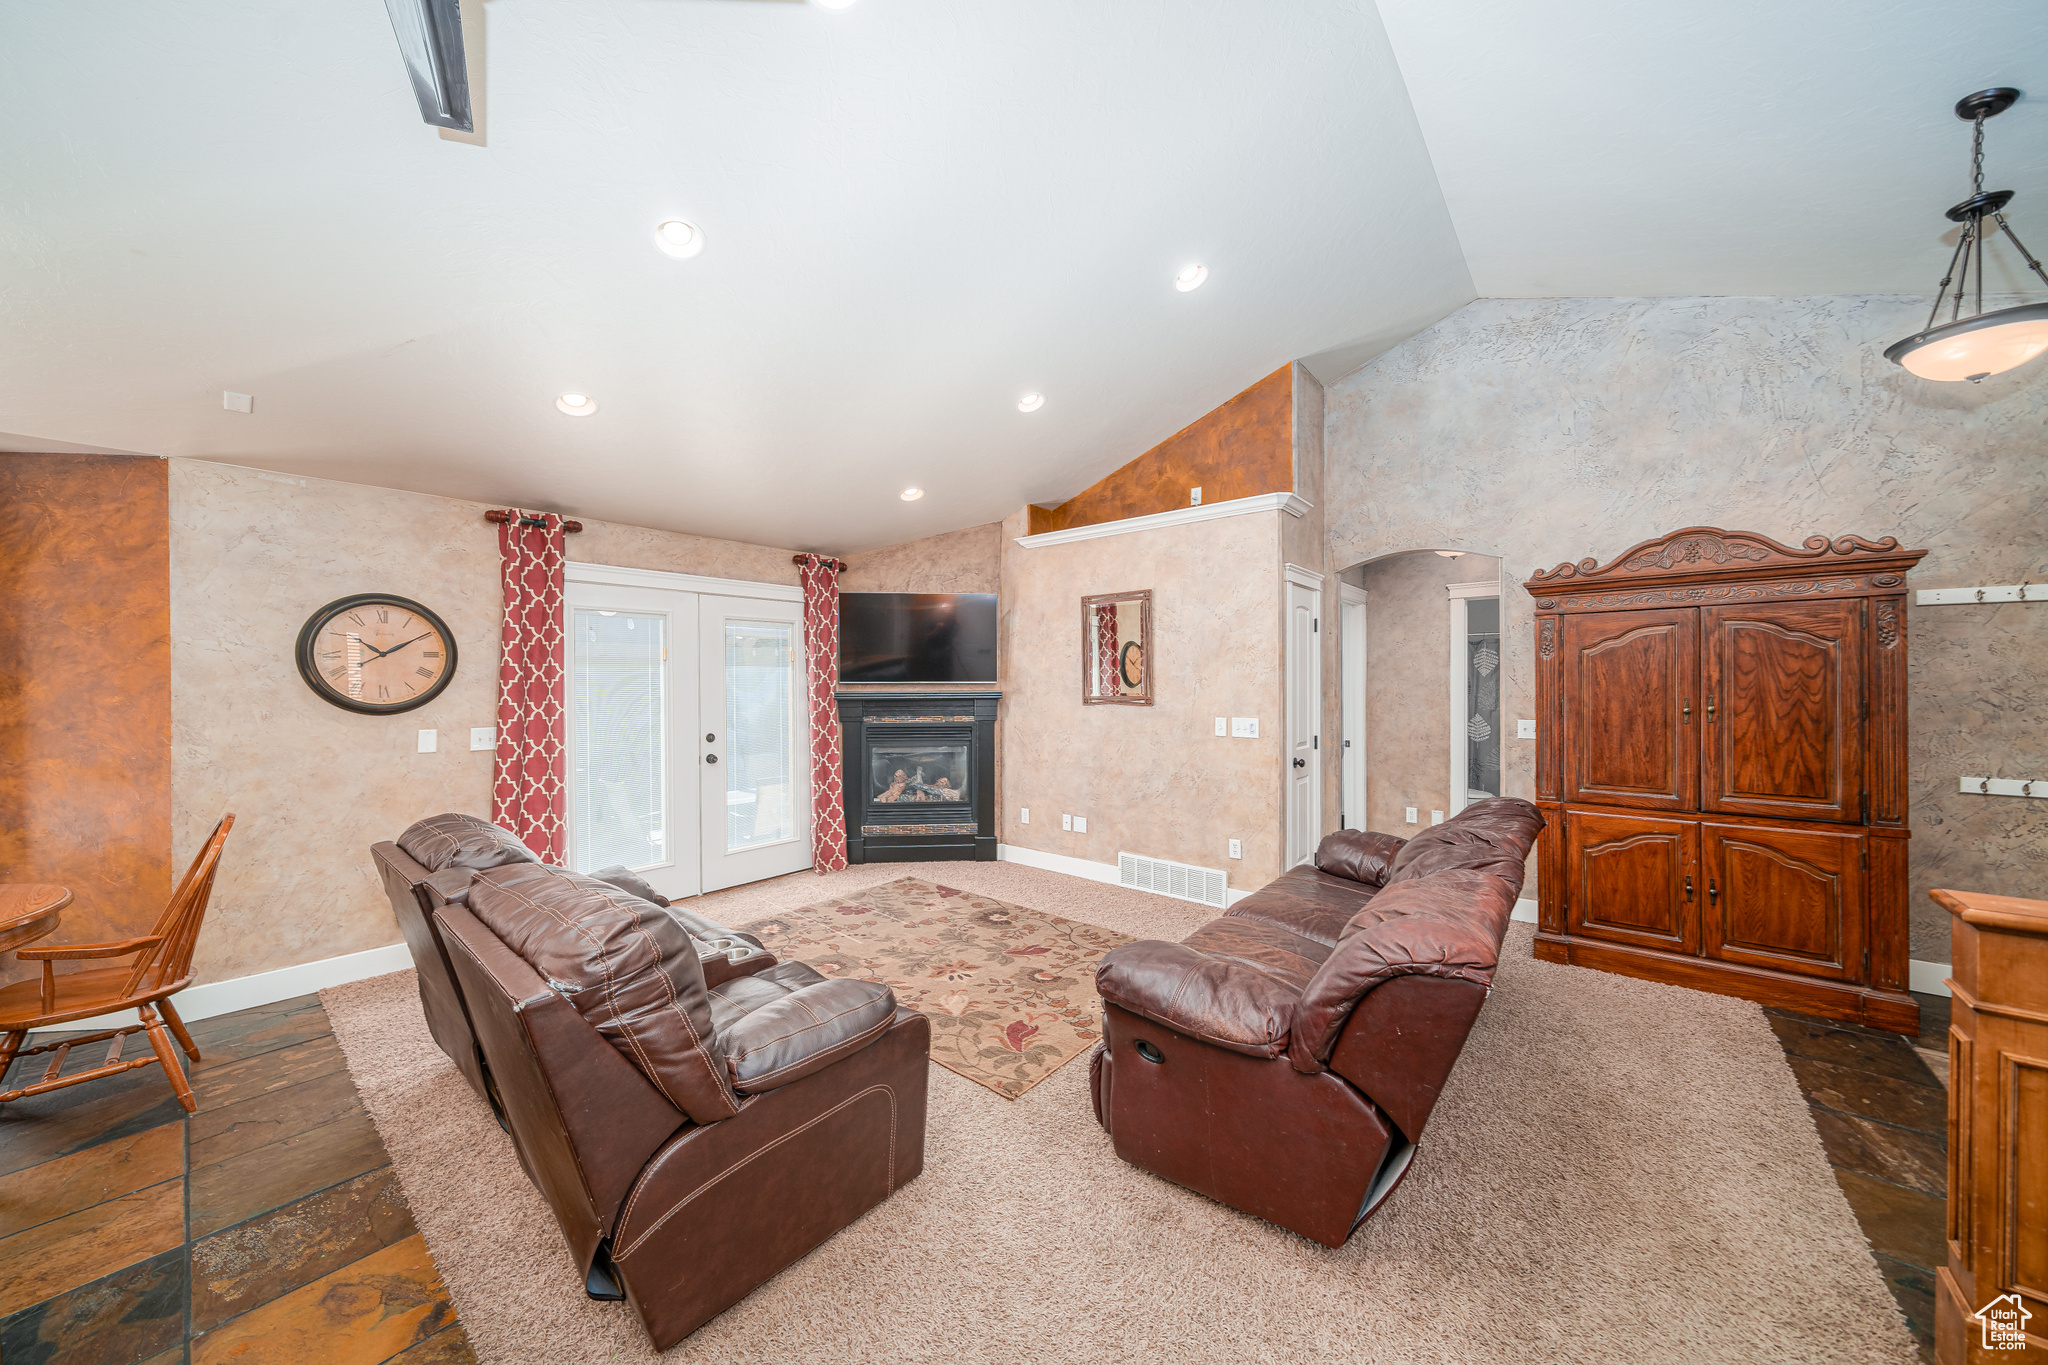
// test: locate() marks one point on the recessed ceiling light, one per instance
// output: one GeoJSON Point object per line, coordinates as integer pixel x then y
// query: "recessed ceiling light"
{"type": "Point", "coordinates": [1190, 277]}
{"type": "Point", "coordinates": [836, 4]}
{"type": "Point", "coordinates": [1450, 554]}
{"type": "Point", "coordinates": [912, 494]}
{"type": "Point", "coordinates": [1031, 402]}
{"type": "Point", "coordinates": [577, 404]}
{"type": "Point", "coordinates": [679, 239]}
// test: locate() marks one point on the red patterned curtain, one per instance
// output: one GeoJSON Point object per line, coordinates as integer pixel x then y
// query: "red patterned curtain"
{"type": "Point", "coordinates": [821, 674]}
{"type": "Point", "coordinates": [1105, 652]}
{"type": "Point", "coordinates": [531, 791]}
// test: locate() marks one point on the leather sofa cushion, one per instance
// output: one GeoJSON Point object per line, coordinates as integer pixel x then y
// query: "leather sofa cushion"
{"type": "Point", "coordinates": [734, 1000]}
{"type": "Point", "coordinates": [1307, 902]}
{"type": "Point", "coordinates": [631, 883]}
{"type": "Point", "coordinates": [1214, 999]}
{"type": "Point", "coordinates": [1448, 925]}
{"type": "Point", "coordinates": [804, 1031]}
{"type": "Point", "coordinates": [1278, 952]}
{"type": "Point", "coordinates": [1494, 835]}
{"type": "Point", "coordinates": [629, 968]}
{"type": "Point", "coordinates": [441, 842]}
{"type": "Point", "coordinates": [1358, 855]}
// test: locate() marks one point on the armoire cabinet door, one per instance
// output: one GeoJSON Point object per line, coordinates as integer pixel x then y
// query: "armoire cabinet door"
{"type": "Point", "coordinates": [1790, 899]}
{"type": "Point", "coordinates": [1633, 879]}
{"type": "Point", "coordinates": [1631, 685]}
{"type": "Point", "coordinates": [1783, 734]}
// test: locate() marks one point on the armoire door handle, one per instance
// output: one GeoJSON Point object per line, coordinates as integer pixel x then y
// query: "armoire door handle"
{"type": "Point", "coordinates": [1688, 889]}
{"type": "Point", "coordinates": [1710, 710]}
{"type": "Point", "coordinates": [1685, 710]}
{"type": "Point", "coordinates": [1713, 891]}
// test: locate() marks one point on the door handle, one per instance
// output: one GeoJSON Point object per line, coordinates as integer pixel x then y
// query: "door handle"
{"type": "Point", "coordinates": [1301, 763]}
{"type": "Point", "coordinates": [711, 739]}
{"type": "Point", "coordinates": [1710, 710]}
{"type": "Point", "coordinates": [711, 758]}
{"type": "Point", "coordinates": [1713, 891]}
{"type": "Point", "coordinates": [1688, 889]}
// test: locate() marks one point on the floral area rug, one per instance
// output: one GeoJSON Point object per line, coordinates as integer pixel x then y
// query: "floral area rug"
{"type": "Point", "coordinates": [1010, 992]}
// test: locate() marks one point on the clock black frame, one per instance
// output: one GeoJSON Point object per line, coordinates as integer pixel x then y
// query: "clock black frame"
{"type": "Point", "coordinates": [314, 679]}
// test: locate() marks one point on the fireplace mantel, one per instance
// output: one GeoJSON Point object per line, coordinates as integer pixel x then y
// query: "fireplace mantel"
{"type": "Point", "coordinates": [918, 769]}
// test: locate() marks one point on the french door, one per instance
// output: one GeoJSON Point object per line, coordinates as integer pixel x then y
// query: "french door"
{"type": "Point", "coordinates": [688, 738]}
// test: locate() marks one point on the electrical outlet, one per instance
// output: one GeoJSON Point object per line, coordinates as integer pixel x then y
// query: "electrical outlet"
{"type": "Point", "coordinates": [1436, 817]}
{"type": "Point", "coordinates": [1237, 848]}
{"type": "Point", "coordinates": [1066, 822]}
{"type": "Point", "coordinates": [1410, 817]}
{"type": "Point", "coordinates": [1244, 727]}
{"type": "Point", "coordinates": [1525, 729]}
{"type": "Point", "coordinates": [1080, 824]}
{"type": "Point", "coordinates": [1194, 497]}
{"type": "Point", "coordinates": [483, 737]}
{"type": "Point", "coordinates": [1222, 725]}
{"type": "Point", "coordinates": [427, 741]}
{"type": "Point", "coordinates": [1024, 816]}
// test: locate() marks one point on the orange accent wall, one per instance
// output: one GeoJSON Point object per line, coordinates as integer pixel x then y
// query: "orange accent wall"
{"type": "Point", "coordinates": [85, 688]}
{"type": "Point", "coordinates": [1241, 449]}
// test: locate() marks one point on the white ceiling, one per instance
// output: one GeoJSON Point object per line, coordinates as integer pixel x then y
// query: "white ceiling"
{"type": "Point", "coordinates": [1613, 148]}
{"type": "Point", "coordinates": [917, 210]}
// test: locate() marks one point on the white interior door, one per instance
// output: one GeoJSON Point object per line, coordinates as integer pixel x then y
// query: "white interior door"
{"type": "Point", "coordinates": [754, 741]}
{"type": "Point", "coordinates": [1304, 690]}
{"type": "Point", "coordinates": [633, 703]}
{"type": "Point", "coordinates": [1352, 689]}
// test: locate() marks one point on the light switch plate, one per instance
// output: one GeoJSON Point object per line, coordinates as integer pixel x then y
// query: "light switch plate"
{"type": "Point", "coordinates": [1436, 817]}
{"type": "Point", "coordinates": [1194, 497]}
{"type": "Point", "coordinates": [1080, 824]}
{"type": "Point", "coordinates": [1525, 729]}
{"type": "Point", "coordinates": [483, 737]}
{"type": "Point", "coordinates": [1237, 848]}
{"type": "Point", "coordinates": [1222, 725]}
{"type": "Point", "coordinates": [237, 402]}
{"type": "Point", "coordinates": [1024, 815]}
{"type": "Point", "coordinates": [427, 741]}
{"type": "Point", "coordinates": [1410, 817]}
{"type": "Point", "coordinates": [1066, 822]}
{"type": "Point", "coordinates": [1244, 727]}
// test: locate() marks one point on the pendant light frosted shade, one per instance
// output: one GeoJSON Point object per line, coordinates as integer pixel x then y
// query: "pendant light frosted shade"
{"type": "Point", "coordinates": [1975, 348]}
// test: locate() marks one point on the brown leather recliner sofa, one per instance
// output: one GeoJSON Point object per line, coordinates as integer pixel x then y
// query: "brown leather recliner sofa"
{"type": "Point", "coordinates": [694, 1131]}
{"type": "Point", "coordinates": [1284, 1058]}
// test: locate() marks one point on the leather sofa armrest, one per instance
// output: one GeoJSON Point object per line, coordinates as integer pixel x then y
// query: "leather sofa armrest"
{"type": "Point", "coordinates": [450, 887]}
{"type": "Point", "coordinates": [1361, 855]}
{"type": "Point", "coordinates": [804, 1032]}
{"type": "Point", "coordinates": [1211, 999]}
{"type": "Point", "coordinates": [722, 964]}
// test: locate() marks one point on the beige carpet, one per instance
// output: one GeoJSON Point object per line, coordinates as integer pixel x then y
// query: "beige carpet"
{"type": "Point", "coordinates": [1617, 1172]}
{"type": "Point", "coordinates": [1010, 992]}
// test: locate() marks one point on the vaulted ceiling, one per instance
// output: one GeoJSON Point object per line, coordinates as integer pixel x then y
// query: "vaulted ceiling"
{"type": "Point", "coordinates": [916, 211]}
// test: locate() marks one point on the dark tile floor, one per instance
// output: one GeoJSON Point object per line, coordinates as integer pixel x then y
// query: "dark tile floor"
{"type": "Point", "coordinates": [267, 1227]}
{"type": "Point", "coordinates": [1880, 1101]}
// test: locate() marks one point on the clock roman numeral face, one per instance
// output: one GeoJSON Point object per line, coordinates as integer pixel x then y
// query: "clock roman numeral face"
{"type": "Point", "coordinates": [376, 655]}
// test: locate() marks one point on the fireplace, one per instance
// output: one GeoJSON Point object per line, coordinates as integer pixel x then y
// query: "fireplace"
{"type": "Point", "coordinates": [918, 774]}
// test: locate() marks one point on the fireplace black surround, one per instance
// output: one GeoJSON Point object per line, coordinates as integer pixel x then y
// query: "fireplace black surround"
{"type": "Point", "coordinates": [919, 774]}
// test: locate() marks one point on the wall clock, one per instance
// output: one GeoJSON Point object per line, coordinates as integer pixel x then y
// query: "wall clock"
{"type": "Point", "coordinates": [376, 654]}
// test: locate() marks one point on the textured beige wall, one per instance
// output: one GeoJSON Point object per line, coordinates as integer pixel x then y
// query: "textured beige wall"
{"type": "Point", "coordinates": [1150, 779]}
{"type": "Point", "coordinates": [958, 561]}
{"type": "Point", "coordinates": [313, 786]}
{"type": "Point", "coordinates": [1544, 430]}
{"type": "Point", "coordinates": [1407, 685]}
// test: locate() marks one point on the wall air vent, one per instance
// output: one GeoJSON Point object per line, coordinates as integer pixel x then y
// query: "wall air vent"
{"type": "Point", "coordinates": [1203, 885]}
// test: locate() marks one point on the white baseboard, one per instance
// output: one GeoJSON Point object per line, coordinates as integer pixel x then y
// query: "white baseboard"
{"type": "Point", "coordinates": [1927, 977]}
{"type": "Point", "coordinates": [264, 988]}
{"type": "Point", "coordinates": [1524, 912]}
{"type": "Point", "coordinates": [1082, 867]}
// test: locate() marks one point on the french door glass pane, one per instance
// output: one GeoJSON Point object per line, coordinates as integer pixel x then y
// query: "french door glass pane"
{"type": "Point", "coordinates": [760, 769]}
{"type": "Point", "coordinates": [621, 805]}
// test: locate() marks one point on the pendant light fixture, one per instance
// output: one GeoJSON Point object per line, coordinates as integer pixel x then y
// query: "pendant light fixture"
{"type": "Point", "coordinates": [1984, 344]}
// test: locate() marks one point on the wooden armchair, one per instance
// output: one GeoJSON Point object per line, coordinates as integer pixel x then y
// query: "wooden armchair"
{"type": "Point", "coordinates": [162, 967]}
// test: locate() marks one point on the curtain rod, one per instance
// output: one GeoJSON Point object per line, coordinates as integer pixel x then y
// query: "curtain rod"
{"type": "Point", "coordinates": [502, 517]}
{"type": "Point", "coordinates": [838, 564]}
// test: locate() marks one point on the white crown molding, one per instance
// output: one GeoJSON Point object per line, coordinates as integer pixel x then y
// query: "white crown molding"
{"type": "Point", "coordinates": [1293, 504]}
{"type": "Point", "coordinates": [1483, 589]}
{"type": "Point", "coordinates": [615, 576]}
{"type": "Point", "coordinates": [1303, 578]}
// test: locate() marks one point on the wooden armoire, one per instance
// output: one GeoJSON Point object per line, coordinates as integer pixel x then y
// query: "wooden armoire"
{"type": "Point", "coordinates": [1721, 757]}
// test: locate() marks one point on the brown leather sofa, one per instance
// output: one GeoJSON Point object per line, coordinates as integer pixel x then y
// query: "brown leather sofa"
{"type": "Point", "coordinates": [1284, 1058]}
{"type": "Point", "coordinates": [694, 1131]}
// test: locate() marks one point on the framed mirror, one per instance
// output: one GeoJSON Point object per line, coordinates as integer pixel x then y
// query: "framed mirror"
{"type": "Point", "coordinates": [1116, 649]}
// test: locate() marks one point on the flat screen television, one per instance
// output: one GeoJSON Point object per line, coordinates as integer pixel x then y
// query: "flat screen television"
{"type": "Point", "coordinates": [917, 637]}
